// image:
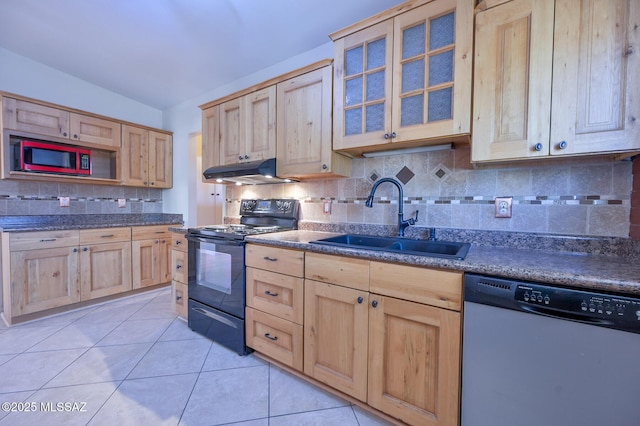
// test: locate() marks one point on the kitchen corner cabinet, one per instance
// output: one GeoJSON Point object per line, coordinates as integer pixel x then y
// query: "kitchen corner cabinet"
{"type": "Point", "coordinates": [105, 262]}
{"type": "Point", "coordinates": [82, 129]}
{"type": "Point", "coordinates": [403, 78]}
{"type": "Point", "coordinates": [180, 271]}
{"type": "Point", "coordinates": [274, 312]}
{"type": "Point", "coordinates": [247, 127]}
{"type": "Point", "coordinates": [151, 254]}
{"type": "Point", "coordinates": [304, 134]}
{"type": "Point", "coordinates": [147, 158]}
{"type": "Point", "coordinates": [556, 78]}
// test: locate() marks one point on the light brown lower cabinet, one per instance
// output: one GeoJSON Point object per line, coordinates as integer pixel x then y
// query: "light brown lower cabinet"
{"type": "Point", "coordinates": [336, 339]}
{"type": "Point", "coordinates": [180, 271]}
{"type": "Point", "coordinates": [105, 262]}
{"type": "Point", "coordinates": [43, 279]}
{"type": "Point", "coordinates": [151, 255]}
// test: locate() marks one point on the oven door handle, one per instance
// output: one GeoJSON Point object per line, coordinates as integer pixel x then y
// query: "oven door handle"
{"type": "Point", "coordinates": [216, 317]}
{"type": "Point", "coordinates": [221, 242]}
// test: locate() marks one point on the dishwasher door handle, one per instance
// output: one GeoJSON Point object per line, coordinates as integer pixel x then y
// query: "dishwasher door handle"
{"type": "Point", "coordinates": [539, 310]}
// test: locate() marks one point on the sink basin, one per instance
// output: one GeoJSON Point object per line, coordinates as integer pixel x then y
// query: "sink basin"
{"type": "Point", "coordinates": [443, 249]}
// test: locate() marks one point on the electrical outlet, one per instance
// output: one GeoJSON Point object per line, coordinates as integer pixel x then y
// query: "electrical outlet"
{"type": "Point", "coordinates": [326, 207]}
{"type": "Point", "coordinates": [64, 201]}
{"type": "Point", "coordinates": [503, 207]}
{"type": "Point", "coordinates": [122, 203]}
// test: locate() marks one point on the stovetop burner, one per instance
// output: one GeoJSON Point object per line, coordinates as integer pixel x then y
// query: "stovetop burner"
{"type": "Point", "coordinates": [258, 217]}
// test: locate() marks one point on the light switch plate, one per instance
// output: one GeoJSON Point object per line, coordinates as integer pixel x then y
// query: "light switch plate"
{"type": "Point", "coordinates": [64, 201]}
{"type": "Point", "coordinates": [122, 202]}
{"type": "Point", "coordinates": [503, 207]}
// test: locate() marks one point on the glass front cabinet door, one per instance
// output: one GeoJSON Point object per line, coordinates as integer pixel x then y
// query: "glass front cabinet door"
{"type": "Point", "coordinates": [406, 78]}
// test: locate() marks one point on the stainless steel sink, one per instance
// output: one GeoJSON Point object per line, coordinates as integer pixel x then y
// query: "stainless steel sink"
{"type": "Point", "coordinates": [443, 249]}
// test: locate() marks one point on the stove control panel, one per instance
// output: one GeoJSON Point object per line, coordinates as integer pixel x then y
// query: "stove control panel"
{"type": "Point", "coordinates": [269, 207]}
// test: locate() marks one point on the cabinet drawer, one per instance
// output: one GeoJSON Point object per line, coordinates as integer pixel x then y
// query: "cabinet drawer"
{"type": "Point", "coordinates": [344, 271]}
{"type": "Point", "coordinates": [179, 241]}
{"type": "Point", "coordinates": [150, 232]}
{"type": "Point", "coordinates": [280, 339]}
{"type": "Point", "coordinates": [43, 239]}
{"type": "Point", "coordinates": [105, 235]}
{"type": "Point", "coordinates": [179, 298]}
{"type": "Point", "coordinates": [179, 266]}
{"type": "Point", "coordinates": [284, 261]}
{"type": "Point", "coordinates": [432, 287]}
{"type": "Point", "coordinates": [277, 294]}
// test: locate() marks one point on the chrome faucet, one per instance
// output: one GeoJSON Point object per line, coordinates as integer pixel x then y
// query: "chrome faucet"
{"type": "Point", "coordinates": [402, 224]}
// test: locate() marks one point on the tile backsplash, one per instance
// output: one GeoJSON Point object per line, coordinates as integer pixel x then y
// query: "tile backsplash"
{"type": "Point", "coordinates": [42, 198]}
{"type": "Point", "coordinates": [585, 196]}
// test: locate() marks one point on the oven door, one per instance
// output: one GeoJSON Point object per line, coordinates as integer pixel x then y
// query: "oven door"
{"type": "Point", "coordinates": [216, 274]}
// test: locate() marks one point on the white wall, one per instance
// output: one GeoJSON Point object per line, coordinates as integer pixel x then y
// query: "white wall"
{"type": "Point", "coordinates": [186, 118]}
{"type": "Point", "coordinates": [25, 77]}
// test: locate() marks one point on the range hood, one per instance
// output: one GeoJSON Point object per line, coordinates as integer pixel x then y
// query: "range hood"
{"type": "Point", "coordinates": [251, 173]}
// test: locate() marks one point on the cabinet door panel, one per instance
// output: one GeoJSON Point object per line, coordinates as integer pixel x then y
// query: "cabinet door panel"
{"type": "Point", "coordinates": [596, 84]}
{"type": "Point", "coordinates": [160, 158]}
{"type": "Point", "coordinates": [151, 262]}
{"type": "Point", "coordinates": [84, 128]}
{"type": "Point", "coordinates": [362, 70]}
{"type": "Point", "coordinates": [135, 144]}
{"type": "Point", "coordinates": [34, 118]}
{"type": "Point", "coordinates": [304, 107]}
{"type": "Point", "coordinates": [105, 269]}
{"type": "Point", "coordinates": [43, 279]}
{"type": "Point", "coordinates": [335, 340]}
{"type": "Point", "coordinates": [260, 124]}
{"type": "Point", "coordinates": [512, 80]}
{"type": "Point", "coordinates": [230, 136]}
{"type": "Point", "coordinates": [414, 361]}
{"type": "Point", "coordinates": [210, 141]}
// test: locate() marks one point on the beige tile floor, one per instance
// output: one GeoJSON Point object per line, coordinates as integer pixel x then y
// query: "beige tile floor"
{"type": "Point", "coordinates": [133, 362]}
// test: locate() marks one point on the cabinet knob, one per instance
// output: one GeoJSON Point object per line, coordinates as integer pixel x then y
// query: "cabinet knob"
{"type": "Point", "coordinates": [562, 145]}
{"type": "Point", "coordinates": [178, 267]}
{"type": "Point", "coordinates": [64, 134]}
{"type": "Point", "coordinates": [75, 136]}
{"type": "Point", "coordinates": [240, 157]}
{"type": "Point", "coordinates": [85, 249]}
{"type": "Point", "coordinates": [178, 298]}
{"type": "Point", "coordinates": [374, 303]}
{"type": "Point", "coordinates": [387, 136]}
{"type": "Point", "coordinates": [75, 250]}
{"type": "Point", "coordinates": [246, 157]}
{"type": "Point", "coordinates": [325, 167]}
{"type": "Point", "coordinates": [538, 147]}
{"type": "Point", "coordinates": [360, 299]}
{"type": "Point", "coordinates": [393, 135]}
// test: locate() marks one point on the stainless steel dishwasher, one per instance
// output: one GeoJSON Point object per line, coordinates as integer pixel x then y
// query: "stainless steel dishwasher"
{"type": "Point", "coordinates": [541, 355]}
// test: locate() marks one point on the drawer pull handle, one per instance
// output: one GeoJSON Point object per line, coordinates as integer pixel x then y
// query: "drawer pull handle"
{"type": "Point", "coordinates": [271, 259]}
{"type": "Point", "coordinates": [178, 298]}
{"type": "Point", "coordinates": [178, 267]}
{"type": "Point", "coordinates": [268, 336]}
{"type": "Point", "coordinates": [107, 236]}
{"type": "Point", "coordinates": [178, 243]}
{"type": "Point", "coordinates": [48, 240]}
{"type": "Point", "coordinates": [268, 293]}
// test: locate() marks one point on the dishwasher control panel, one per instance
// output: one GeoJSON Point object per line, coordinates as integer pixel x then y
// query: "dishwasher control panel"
{"type": "Point", "coordinates": [577, 304]}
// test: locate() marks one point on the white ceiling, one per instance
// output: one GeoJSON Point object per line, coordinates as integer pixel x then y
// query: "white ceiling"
{"type": "Point", "coordinates": [164, 52]}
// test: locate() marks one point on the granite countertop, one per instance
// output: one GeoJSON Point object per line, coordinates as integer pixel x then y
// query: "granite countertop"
{"type": "Point", "coordinates": [84, 221]}
{"type": "Point", "coordinates": [580, 270]}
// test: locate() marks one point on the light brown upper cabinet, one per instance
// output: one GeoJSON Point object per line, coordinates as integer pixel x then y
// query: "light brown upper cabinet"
{"type": "Point", "coordinates": [304, 127]}
{"type": "Point", "coordinates": [147, 157]}
{"type": "Point", "coordinates": [556, 78]}
{"type": "Point", "coordinates": [403, 78]}
{"type": "Point", "coordinates": [247, 127]}
{"type": "Point", "coordinates": [45, 120]}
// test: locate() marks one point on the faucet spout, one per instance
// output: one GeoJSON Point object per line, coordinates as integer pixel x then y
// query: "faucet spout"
{"type": "Point", "coordinates": [402, 224]}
